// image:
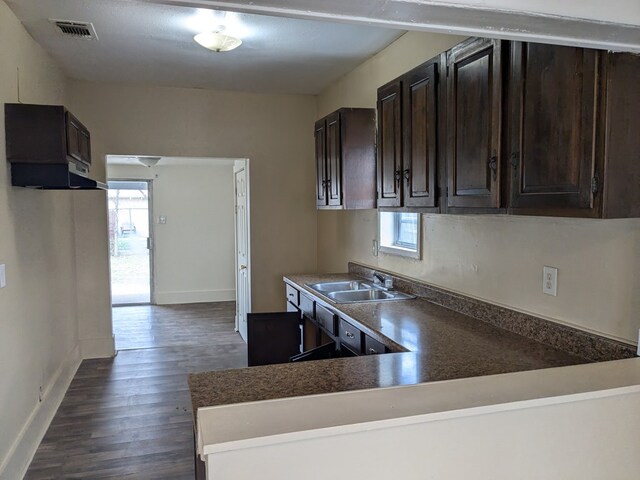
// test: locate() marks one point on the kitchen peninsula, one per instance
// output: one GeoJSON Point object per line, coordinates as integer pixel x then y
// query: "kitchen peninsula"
{"type": "Point", "coordinates": [432, 343]}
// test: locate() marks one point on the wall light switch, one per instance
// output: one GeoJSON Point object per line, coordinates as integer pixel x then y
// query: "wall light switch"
{"type": "Point", "coordinates": [3, 277]}
{"type": "Point", "coordinates": [162, 219]}
{"type": "Point", "coordinates": [550, 281]}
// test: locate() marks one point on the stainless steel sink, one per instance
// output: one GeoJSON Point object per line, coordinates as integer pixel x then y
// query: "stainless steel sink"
{"type": "Point", "coordinates": [373, 295]}
{"type": "Point", "coordinates": [327, 287]}
{"type": "Point", "coordinates": [356, 291]}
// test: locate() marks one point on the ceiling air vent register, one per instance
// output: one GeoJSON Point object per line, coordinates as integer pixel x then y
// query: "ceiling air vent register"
{"type": "Point", "coordinates": [82, 30]}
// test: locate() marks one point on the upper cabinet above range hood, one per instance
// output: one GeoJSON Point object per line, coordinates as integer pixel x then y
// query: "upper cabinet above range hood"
{"type": "Point", "coordinates": [48, 148]}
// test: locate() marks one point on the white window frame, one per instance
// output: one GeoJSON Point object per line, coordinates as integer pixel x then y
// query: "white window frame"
{"type": "Point", "coordinates": [387, 240]}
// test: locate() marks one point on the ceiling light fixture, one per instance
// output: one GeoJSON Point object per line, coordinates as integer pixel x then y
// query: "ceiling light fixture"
{"type": "Point", "coordinates": [217, 41]}
{"type": "Point", "coordinates": [149, 161]}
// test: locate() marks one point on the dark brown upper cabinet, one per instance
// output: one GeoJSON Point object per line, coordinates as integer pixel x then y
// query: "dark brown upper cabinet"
{"type": "Point", "coordinates": [518, 128]}
{"type": "Point", "coordinates": [334, 161]}
{"type": "Point", "coordinates": [573, 147]}
{"type": "Point", "coordinates": [617, 179]}
{"type": "Point", "coordinates": [321, 162]}
{"type": "Point", "coordinates": [474, 116]}
{"type": "Point", "coordinates": [420, 118]}
{"type": "Point", "coordinates": [45, 134]}
{"type": "Point", "coordinates": [345, 159]}
{"type": "Point", "coordinates": [407, 142]}
{"type": "Point", "coordinates": [552, 114]}
{"type": "Point", "coordinates": [78, 140]}
{"type": "Point", "coordinates": [390, 145]}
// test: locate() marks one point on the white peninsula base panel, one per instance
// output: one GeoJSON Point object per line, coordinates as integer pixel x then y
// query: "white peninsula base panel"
{"type": "Point", "coordinates": [577, 422]}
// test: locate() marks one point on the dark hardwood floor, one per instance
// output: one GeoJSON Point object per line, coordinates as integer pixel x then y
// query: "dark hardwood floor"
{"type": "Point", "coordinates": [130, 416]}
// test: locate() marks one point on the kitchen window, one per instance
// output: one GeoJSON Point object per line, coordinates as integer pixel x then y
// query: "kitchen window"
{"type": "Point", "coordinates": [399, 233]}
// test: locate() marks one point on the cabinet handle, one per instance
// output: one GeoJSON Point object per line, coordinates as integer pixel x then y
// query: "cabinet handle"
{"type": "Point", "coordinates": [398, 177]}
{"type": "Point", "coordinates": [407, 176]}
{"type": "Point", "coordinates": [349, 334]}
{"type": "Point", "coordinates": [328, 184]}
{"type": "Point", "coordinates": [514, 159]}
{"type": "Point", "coordinates": [493, 165]}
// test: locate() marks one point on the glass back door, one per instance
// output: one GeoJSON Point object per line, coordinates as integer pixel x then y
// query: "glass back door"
{"type": "Point", "coordinates": [130, 242]}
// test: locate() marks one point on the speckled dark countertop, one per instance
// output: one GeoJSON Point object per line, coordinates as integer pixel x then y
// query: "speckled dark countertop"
{"type": "Point", "coordinates": [439, 344]}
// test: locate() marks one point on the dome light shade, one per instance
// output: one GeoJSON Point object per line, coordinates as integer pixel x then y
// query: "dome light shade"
{"type": "Point", "coordinates": [216, 41]}
{"type": "Point", "coordinates": [149, 161]}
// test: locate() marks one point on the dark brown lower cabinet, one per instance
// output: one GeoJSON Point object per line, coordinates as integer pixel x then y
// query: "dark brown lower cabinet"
{"type": "Point", "coordinates": [372, 346]}
{"type": "Point", "coordinates": [306, 331]}
{"type": "Point", "coordinates": [272, 337]}
{"type": "Point", "coordinates": [326, 320]}
{"type": "Point", "coordinates": [322, 352]}
{"type": "Point", "coordinates": [356, 342]}
{"type": "Point", "coordinates": [286, 337]}
{"type": "Point", "coordinates": [350, 337]}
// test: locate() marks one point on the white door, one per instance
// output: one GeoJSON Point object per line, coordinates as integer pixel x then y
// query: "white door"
{"type": "Point", "coordinates": [243, 290]}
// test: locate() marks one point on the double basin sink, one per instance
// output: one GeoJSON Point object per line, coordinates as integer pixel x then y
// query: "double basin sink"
{"type": "Point", "coordinates": [356, 291]}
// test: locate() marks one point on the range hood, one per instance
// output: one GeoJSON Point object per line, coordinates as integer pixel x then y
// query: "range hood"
{"type": "Point", "coordinates": [51, 177]}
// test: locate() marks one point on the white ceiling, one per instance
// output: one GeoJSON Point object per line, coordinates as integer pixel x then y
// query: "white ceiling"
{"type": "Point", "coordinates": [142, 42]}
{"type": "Point", "coordinates": [609, 25]}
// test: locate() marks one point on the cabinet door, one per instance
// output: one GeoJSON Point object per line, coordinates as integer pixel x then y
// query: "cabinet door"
{"type": "Point", "coordinates": [84, 146]}
{"type": "Point", "coordinates": [389, 145]}
{"type": "Point", "coordinates": [419, 128]}
{"type": "Point", "coordinates": [373, 347]}
{"type": "Point", "coordinates": [474, 92]}
{"type": "Point", "coordinates": [350, 336]}
{"type": "Point", "coordinates": [551, 127]}
{"type": "Point", "coordinates": [272, 337]}
{"type": "Point", "coordinates": [73, 138]}
{"type": "Point", "coordinates": [320, 134]}
{"type": "Point", "coordinates": [334, 160]}
{"type": "Point", "coordinates": [622, 157]}
{"type": "Point", "coordinates": [326, 319]}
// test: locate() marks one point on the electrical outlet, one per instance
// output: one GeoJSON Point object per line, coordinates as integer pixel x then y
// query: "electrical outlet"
{"type": "Point", "coordinates": [162, 220]}
{"type": "Point", "coordinates": [40, 393]}
{"type": "Point", "coordinates": [550, 281]}
{"type": "Point", "coordinates": [3, 277]}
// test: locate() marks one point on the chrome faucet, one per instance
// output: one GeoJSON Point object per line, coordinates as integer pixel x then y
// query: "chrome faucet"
{"type": "Point", "coordinates": [386, 283]}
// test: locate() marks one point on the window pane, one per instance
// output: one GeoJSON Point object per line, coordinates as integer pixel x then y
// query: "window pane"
{"type": "Point", "coordinates": [399, 233]}
{"type": "Point", "coordinates": [407, 232]}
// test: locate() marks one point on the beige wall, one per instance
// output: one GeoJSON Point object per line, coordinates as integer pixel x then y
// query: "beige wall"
{"type": "Point", "coordinates": [273, 131]}
{"type": "Point", "coordinates": [358, 87]}
{"type": "Point", "coordinates": [495, 258]}
{"type": "Point", "coordinates": [38, 325]}
{"type": "Point", "coordinates": [194, 250]}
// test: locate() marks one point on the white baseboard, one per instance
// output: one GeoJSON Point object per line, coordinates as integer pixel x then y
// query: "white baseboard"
{"type": "Point", "coordinates": [167, 298]}
{"type": "Point", "coordinates": [103, 347]}
{"type": "Point", "coordinates": [21, 453]}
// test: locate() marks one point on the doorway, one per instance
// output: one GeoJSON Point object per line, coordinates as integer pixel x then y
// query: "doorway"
{"type": "Point", "coordinates": [130, 242]}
